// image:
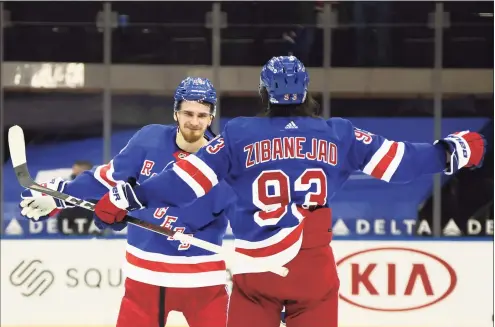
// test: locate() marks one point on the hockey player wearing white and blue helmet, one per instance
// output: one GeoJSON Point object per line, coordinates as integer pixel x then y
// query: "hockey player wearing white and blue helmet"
{"type": "Point", "coordinates": [194, 109]}
{"type": "Point", "coordinates": [162, 274]}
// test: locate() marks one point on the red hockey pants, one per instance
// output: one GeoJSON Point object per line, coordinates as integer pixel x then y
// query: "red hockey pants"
{"type": "Point", "coordinates": [147, 305]}
{"type": "Point", "coordinates": [309, 292]}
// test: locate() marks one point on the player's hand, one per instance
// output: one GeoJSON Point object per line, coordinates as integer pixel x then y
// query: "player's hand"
{"type": "Point", "coordinates": [38, 206]}
{"type": "Point", "coordinates": [103, 225]}
{"type": "Point", "coordinates": [467, 149]}
{"type": "Point", "coordinates": [113, 206]}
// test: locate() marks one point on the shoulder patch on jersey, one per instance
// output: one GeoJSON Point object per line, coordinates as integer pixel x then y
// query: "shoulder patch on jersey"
{"type": "Point", "coordinates": [179, 155]}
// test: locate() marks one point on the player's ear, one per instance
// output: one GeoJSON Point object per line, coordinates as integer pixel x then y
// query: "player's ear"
{"type": "Point", "coordinates": [175, 116]}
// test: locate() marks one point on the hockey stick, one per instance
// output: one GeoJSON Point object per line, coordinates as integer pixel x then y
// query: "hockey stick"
{"type": "Point", "coordinates": [17, 149]}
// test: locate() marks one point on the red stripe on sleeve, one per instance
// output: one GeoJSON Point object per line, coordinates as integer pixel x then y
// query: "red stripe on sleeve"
{"type": "Point", "coordinates": [196, 174]}
{"type": "Point", "coordinates": [384, 163]}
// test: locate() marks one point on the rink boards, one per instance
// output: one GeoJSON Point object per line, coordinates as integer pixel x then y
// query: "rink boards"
{"type": "Point", "coordinates": [434, 283]}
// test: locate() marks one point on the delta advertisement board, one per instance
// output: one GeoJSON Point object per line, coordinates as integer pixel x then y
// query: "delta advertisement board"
{"type": "Point", "coordinates": [70, 226]}
{"type": "Point", "coordinates": [383, 283]}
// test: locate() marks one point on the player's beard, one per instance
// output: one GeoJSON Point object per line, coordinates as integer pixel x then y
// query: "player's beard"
{"type": "Point", "coordinates": [192, 135]}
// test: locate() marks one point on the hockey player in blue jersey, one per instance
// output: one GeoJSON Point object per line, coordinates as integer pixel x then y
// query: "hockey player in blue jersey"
{"type": "Point", "coordinates": [163, 275]}
{"type": "Point", "coordinates": [285, 167]}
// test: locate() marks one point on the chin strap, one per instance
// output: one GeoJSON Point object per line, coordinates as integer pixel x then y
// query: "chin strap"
{"type": "Point", "coordinates": [212, 136]}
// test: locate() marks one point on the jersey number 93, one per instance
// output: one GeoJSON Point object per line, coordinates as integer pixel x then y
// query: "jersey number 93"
{"type": "Point", "coordinates": [274, 204]}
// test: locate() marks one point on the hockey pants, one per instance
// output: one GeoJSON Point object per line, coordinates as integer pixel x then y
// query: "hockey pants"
{"type": "Point", "coordinates": [309, 292]}
{"type": "Point", "coordinates": [145, 305]}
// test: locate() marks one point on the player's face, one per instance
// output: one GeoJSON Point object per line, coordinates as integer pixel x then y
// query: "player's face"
{"type": "Point", "coordinates": [193, 118]}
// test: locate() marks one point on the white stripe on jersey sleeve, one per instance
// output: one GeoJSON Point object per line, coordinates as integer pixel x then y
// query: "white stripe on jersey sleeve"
{"type": "Point", "coordinates": [377, 157]}
{"type": "Point", "coordinates": [195, 186]}
{"type": "Point", "coordinates": [394, 164]}
{"type": "Point", "coordinates": [204, 168]}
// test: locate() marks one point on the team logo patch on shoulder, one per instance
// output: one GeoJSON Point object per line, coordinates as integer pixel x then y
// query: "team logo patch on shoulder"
{"type": "Point", "coordinates": [179, 155]}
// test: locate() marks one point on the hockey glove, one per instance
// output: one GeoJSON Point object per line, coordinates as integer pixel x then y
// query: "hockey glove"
{"type": "Point", "coordinates": [38, 206]}
{"type": "Point", "coordinates": [467, 149]}
{"type": "Point", "coordinates": [113, 206]}
{"type": "Point", "coordinates": [103, 225]}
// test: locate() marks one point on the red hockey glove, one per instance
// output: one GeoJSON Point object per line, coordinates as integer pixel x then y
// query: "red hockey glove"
{"type": "Point", "coordinates": [467, 150]}
{"type": "Point", "coordinates": [113, 206]}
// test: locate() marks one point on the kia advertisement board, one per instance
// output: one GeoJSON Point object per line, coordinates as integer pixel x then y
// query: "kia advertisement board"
{"type": "Point", "coordinates": [418, 284]}
{"type": "Point", "coordinates": [413, 284]}
{"type": "Point", "coordinates": [65, 283]}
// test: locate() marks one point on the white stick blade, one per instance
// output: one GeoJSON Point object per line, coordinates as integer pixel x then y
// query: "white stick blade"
{"type": "Point", "coordinates": [17, 146]}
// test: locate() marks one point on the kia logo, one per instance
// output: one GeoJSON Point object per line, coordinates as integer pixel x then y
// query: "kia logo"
{"type": "Point", "coordinates": [394, 279]}
{"type": "Point", "coordinates": [31, 278]}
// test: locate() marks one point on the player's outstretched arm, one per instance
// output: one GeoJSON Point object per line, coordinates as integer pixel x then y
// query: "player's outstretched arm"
{"type": "Point", "coordinates": [91, 184]}
{"type": "Point", "coordinates": [402, 162]}
{"type": "Point", "coordinates": [176, 186]}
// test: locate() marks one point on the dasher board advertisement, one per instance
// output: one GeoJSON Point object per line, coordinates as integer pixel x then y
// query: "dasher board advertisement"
{"type": "Point", "coordinates": [383, 283]}
{"type": "Point", "coordinates": [413, 284]}
{"type": "Point", "coordinates": [61, 283]}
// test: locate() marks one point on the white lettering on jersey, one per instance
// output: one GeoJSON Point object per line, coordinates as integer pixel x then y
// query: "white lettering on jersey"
{"type": "Point", "coordinates": [290, 148]}
{"type": "Point", "coordinates": [168, 222]}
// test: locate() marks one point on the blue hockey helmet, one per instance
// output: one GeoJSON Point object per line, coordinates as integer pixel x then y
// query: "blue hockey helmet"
{"type": "Point", "coordinates": [285, 79]}
{"type": "Point", "coordinates": [196, 89]}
